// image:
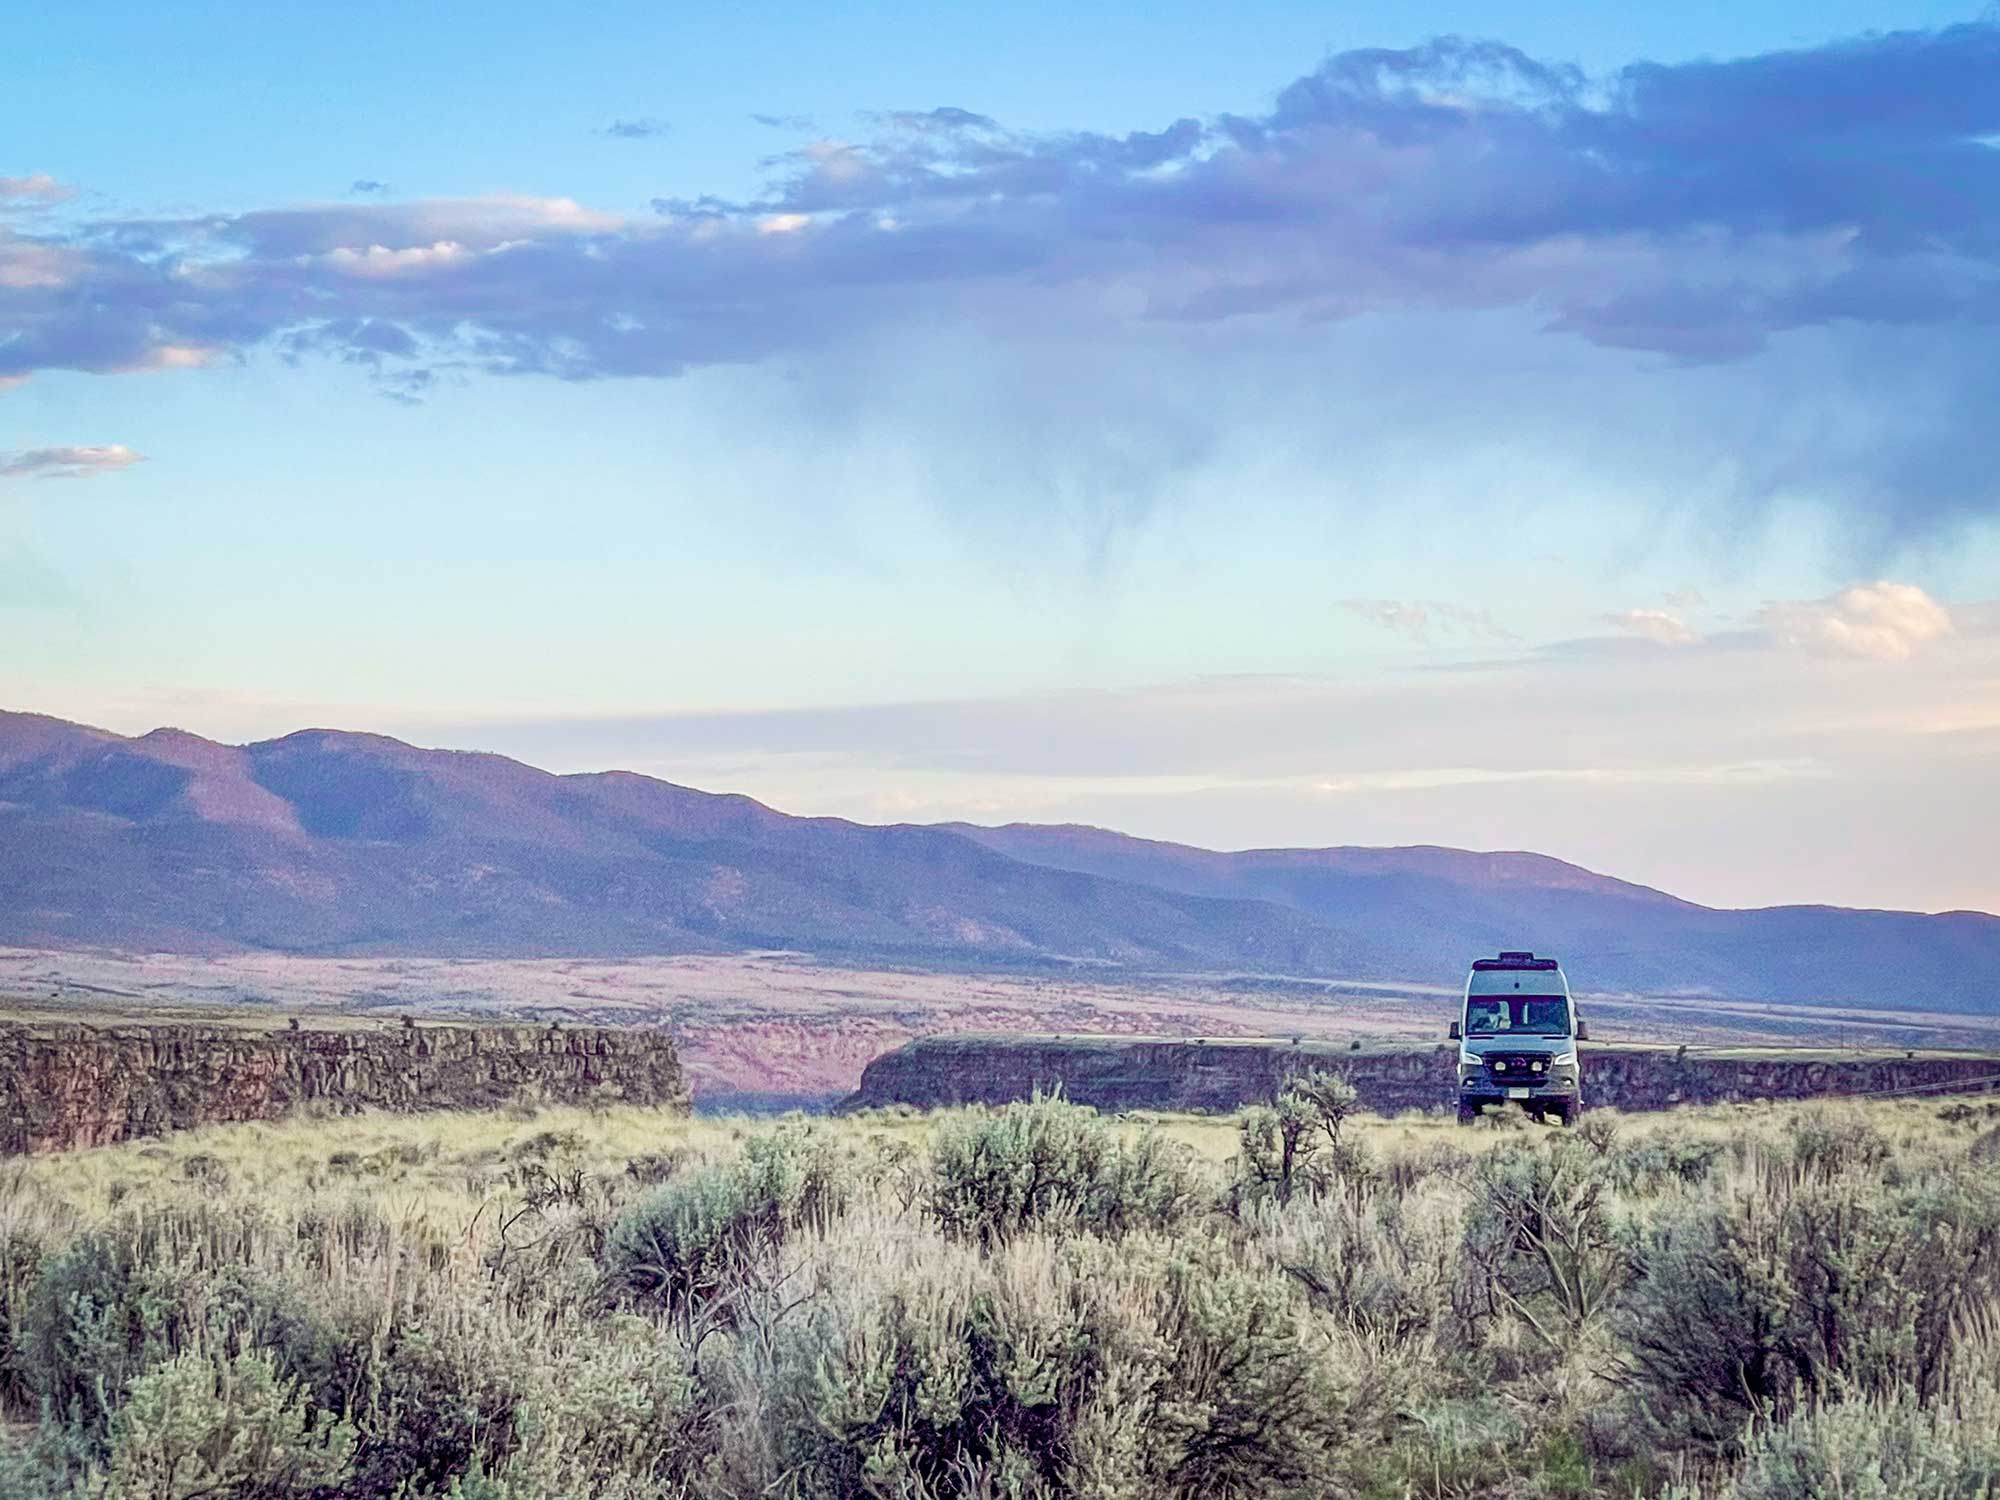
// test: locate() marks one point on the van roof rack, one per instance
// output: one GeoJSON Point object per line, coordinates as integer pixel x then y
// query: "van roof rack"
{"type": "Point", "coordinates": [1510, 959]}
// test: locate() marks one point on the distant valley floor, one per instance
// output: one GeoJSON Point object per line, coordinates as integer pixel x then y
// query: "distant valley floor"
{"type": "Point", "coordinates": [774, 1028]}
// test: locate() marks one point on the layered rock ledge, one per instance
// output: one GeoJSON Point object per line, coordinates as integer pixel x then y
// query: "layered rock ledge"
{"type": "Point", "coordinates": [63, 1086]}
{"type": "Point", "coordinates": [1121, 1073]}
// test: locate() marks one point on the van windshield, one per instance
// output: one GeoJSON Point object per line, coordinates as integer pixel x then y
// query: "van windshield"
{"type": "Point", "coordinates": [1536, 1015]}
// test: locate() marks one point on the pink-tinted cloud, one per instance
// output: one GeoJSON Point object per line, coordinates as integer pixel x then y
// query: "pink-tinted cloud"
{"type": "Point", "coordinates": [1881, 621]}
{"type": "Point", "coordinates": [67, 463]}
{"type": "Point", "coordinates": [38, 190]}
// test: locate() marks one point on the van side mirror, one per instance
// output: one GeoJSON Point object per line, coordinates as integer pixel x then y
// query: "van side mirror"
{"type": "Point", "coordinates": [1583, 1031]}
{"type": "Point", "coordinates": [1454, 1031]}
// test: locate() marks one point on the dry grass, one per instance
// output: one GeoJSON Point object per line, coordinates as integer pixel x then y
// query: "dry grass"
{"type": "Point", "coordinates": [454, 1161]}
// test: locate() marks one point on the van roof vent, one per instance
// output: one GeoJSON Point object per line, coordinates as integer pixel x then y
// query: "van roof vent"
{"type": "Point", "coordinates": [1515, 960]}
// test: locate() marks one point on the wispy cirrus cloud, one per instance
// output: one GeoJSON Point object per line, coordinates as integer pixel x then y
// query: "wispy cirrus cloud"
{"type": "Point", "coordinates": [67, 463]}
{"type": "Point", "coordinates": [643, 128]}
{"type": "Point", "coordinates": [1656, 625]}
{"type": "Point", "coordinates": [1421, 619]}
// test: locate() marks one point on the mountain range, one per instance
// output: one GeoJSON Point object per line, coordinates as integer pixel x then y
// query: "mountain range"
{"type": "Point", "coordinates": [333, 843]}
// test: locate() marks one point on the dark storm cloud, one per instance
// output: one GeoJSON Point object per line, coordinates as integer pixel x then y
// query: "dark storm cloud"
{"type": "Point", "coordinates": [1693, 210]}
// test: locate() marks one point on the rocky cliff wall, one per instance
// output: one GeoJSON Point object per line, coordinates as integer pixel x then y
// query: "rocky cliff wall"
{"type": "Point", "coordinates": [1120, 1074]}
{"type": "Point", "coordinates": [72, 1085]}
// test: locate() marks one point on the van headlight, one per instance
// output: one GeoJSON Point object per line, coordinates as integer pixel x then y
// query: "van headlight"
{"type": "Point", "coordinates": [1468, 1059]}
{"type": "Point", "coordinates": [1564, 1059]}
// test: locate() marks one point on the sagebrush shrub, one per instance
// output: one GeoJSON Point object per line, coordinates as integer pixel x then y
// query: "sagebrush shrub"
{"type": "Point", "coordinates": [1142, 1368]}
{"type": "Point", "coordinates": [681, 1243]}
{"type": "Point", "coordinates": [20, 1267]}
{"type": "Point", "coordinates": [94, 1323]}
{"type": "Point", "coordinates": [1869, 1450]}
{"type": "Point", "coordinates": [1805, 1288]}
{"type": "Point", "coordinates": [1025, 1303]}
{"type": "Point", "coordinates": [202, 1426]}
{"type": "Point", "coordinates": [1665, 1158]}
{"type": "Point", "coordinates": [1822, 1143]}
{"type": "Point", "coordinates": [1385, 1266]}
{"type": "Point", "coordinates": [997, 1173]}
{"type": "Point", "coordinates": [612, 1418]}
{"type": "Point", "coordinates": [686, 1243]}
{"type": "Point", "coordinates": [1246, 1401]}
{"type": "Point", "coordinates": [1295, 1144]}
{"type": "Point", "coordinates": [1538, 1237]}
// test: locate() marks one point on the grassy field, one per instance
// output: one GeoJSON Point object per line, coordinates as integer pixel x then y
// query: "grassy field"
{"type": "Point", "coordinates": [1758, 1301]}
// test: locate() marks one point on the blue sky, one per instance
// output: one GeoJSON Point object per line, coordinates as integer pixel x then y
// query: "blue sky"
{"type": "Point", "coordinates": [1517, 426]}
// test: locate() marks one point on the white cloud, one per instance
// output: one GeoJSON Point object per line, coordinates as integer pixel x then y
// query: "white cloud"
{"type": "Point", "coordinates": [38, 190]}
{"type": "Point", "coordinates": [380, 260]}
{"type": "Point", "coordinates": [1655, 625]}
{"type": "Point", "coordinates": [67, 463]}
{"type": "Point", "coordinates": [1881, 621]}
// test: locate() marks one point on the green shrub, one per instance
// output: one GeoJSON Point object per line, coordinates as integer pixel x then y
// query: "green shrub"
{"type": "Point", "coordinates": [1822, 1143]}
{"type": "Point", "coordinates": [611, 1418]}
{"type": "Point", "coordinates": [1145, 1369]}
{"type": "Point", "coordinates": [797, 1177]}
{"type": "Point", "coordinates": [426, 1408]}
{"type": "Point", "coordinates": [43, 1464]}
{"type": "Point", "coordinates": [202, 1427]}
{"type": "Point", "coordinates": [1384, 1267]}
{"type": "Point", "coordinates": [686, 1243]}
{"type": "Point", "coordinates": [681, 1244]}
{"type": "Point", "coordinates": [1664, 1159]}
{"type": "Point", "coordinates": [995, 1174]}
{"type": "Point", "coordinates": [1538, 1238]}
{"type": "Point", "coordinates": [1868, 1450]}
{"type": "Point", "coordinates": [1244, 1401]}
{"type": "Point", "coordinates": [95, 1322]}
{"type": "Point", "coordinates": [20, 1268]}
{"type": "Point", "coordinates": [1295, 1144]}
{"type": "Point", "coordinates": [1805, 1288]}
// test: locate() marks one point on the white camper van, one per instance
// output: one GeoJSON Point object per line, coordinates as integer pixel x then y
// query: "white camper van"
{"type": "Point", "coordinates": [1517, 1034]}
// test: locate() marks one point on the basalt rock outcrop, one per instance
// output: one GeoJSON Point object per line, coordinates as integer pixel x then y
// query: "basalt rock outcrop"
{"type": "Point", "coordinates": [68, 1085]}
{"type": "Point", "coordinates": [1222, 1075]}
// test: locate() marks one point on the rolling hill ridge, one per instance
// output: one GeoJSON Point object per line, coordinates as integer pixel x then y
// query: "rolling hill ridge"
{"type": "Point", "coordinates": [329, 842]}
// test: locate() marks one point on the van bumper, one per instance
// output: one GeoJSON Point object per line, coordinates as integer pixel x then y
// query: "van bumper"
{"type": "Point", "coordinates": [1477, 1091]}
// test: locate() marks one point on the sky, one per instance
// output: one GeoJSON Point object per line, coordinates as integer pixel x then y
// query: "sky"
{"type": "Point", "coordinates": [1513, 426]}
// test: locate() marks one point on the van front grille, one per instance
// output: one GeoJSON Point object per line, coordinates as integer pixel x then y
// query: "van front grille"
{"type": "Point", "coordinates": [1516, 1067]}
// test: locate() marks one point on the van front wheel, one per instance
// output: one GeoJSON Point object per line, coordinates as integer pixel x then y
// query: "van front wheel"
{"type": "Point", "coordinates": [1467, 1113]}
